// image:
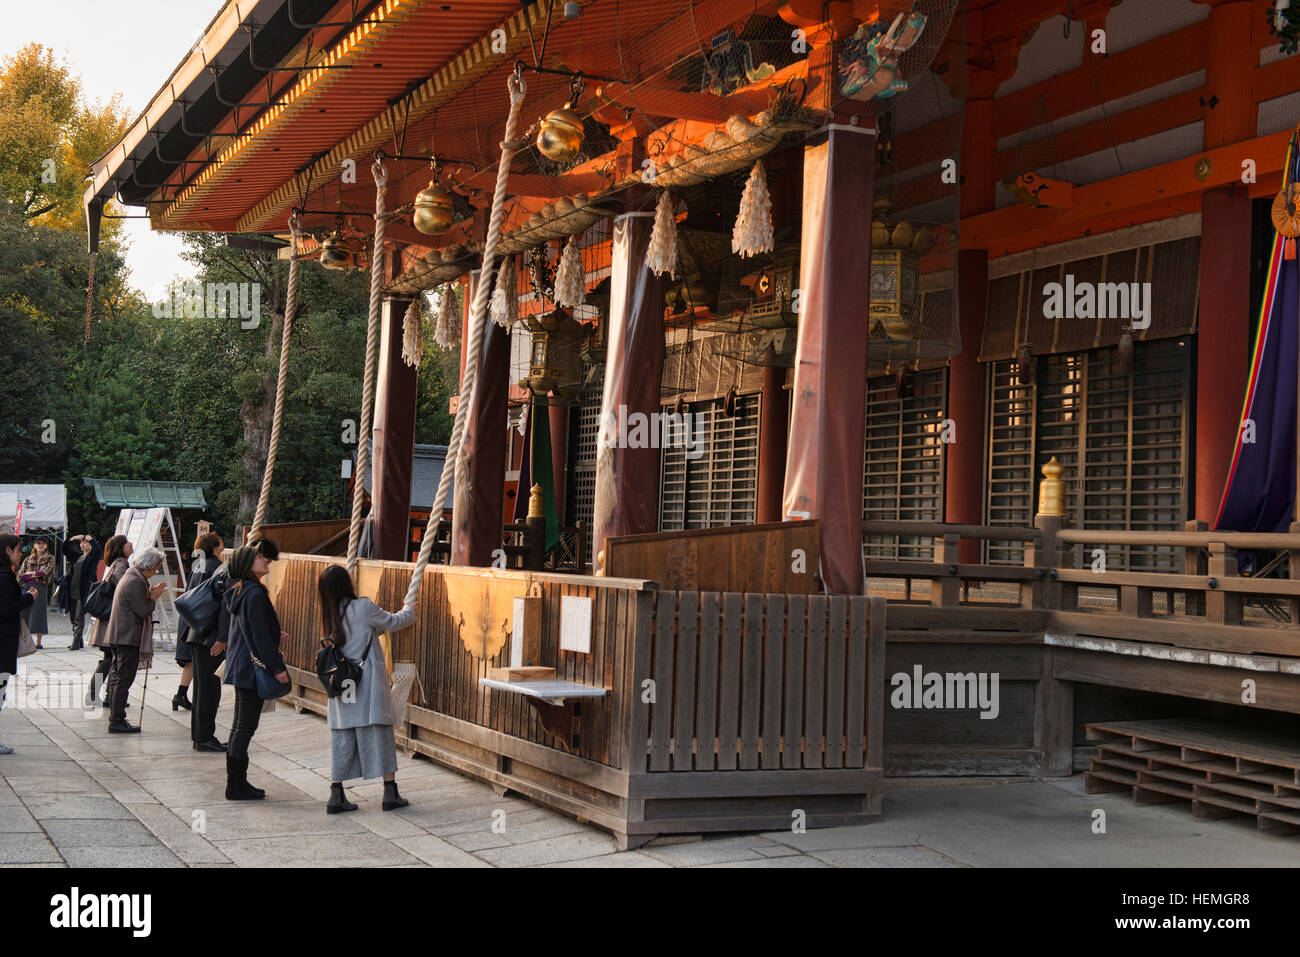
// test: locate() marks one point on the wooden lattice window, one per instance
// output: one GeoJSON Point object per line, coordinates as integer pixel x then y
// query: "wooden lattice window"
{"type": "Point", "coordinates": [584, 436]}
{"type": "Point", "coordinates": [1122, 439]}
{"type": "Point", "coordinates": [720, 486]}
{"type": "Point", "coordinates": [903, 470]}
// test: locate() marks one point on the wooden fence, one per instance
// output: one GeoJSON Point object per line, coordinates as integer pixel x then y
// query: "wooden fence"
{"type": "Point", "coordinates": [772, 702]}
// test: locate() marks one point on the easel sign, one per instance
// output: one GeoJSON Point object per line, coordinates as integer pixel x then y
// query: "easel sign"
{"type": "Point", "coordinates": [153, 528]}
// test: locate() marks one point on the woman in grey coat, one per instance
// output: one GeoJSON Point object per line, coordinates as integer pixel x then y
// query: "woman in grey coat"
{"type": "Point", "coordinates": [361, 719]}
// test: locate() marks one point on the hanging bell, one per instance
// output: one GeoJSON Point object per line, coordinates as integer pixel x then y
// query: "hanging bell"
{"type": "Point", "coordinates": [560, 137]}
{"type": "Point", "coordinates": [335, 252]}
{"type": "Point", "coordinates": [433, 209]}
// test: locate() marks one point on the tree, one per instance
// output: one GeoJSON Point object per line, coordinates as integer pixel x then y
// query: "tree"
{"type": "Point", "coordinates": [49, 136]}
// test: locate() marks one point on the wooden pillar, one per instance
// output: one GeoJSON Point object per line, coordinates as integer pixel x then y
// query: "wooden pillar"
{"type": "Point", "coordinates": [824, 461]}
{"type": "Point", "coordinates": [967, 387]}
{"type": "Point", "coordinates": [479, 485]}
{"type": "Point", "coordinates": [393, 448]}
{"type": "Point", "coordinates": [471, 283]}
{"type": "Point", "coordinates": [1223, 326]}
{"type": "Point", "coordinates": [774, 417]}
{"type": "Point", "coordinates": [627, 479]}
{"type": "Point", "coordinates": [1222, 340]}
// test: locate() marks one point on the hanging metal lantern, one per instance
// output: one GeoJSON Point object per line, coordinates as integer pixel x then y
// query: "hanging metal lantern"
{"type": "Point", "coordinates": [895, 295]}
{"type": "Point", "coordinates": [556, 361]}
{"type": "Point", "coordinates": [560, 137]}
{"type": "Point", "coordinates": [434, 209]}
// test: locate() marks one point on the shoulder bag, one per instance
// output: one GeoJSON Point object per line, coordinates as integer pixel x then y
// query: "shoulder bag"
{"type": "Point", "coordinates": [99, 603]}
{"type": "Point", "coordinates": [26, 644]}
{"type": "Point", "coordinates": [200, 605]}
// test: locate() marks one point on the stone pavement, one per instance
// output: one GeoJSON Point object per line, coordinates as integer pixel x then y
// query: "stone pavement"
{"type": "Point", "coordinates": [74, 795]}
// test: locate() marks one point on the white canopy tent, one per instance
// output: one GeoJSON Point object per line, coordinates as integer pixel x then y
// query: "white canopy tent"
{"type": "Point", "coordinates": [43, 506]}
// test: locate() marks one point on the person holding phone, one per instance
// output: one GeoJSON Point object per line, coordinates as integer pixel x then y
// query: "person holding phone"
{"type": "Point", "coordinates": [84, 554]}
{"type": "Point", "coordinates": [14, 601]}
{"type": "Point", "coordinates": [254, 630]}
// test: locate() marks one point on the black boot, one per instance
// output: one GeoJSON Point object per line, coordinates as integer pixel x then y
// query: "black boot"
{"type": "Point", "coordinates": [237, 786]}
{"type": "Point", "coordinates": [393, 800]}
{"type": "Point", "coordinates": [181, 699]}
{"type": "Point", "coordinates": [338, 803]}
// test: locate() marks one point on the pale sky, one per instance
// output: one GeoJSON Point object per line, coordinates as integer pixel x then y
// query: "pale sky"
{"type": "Point", "coordinates": [118, 46]}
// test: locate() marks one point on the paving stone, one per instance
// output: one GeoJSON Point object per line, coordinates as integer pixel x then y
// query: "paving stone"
{"type": "Point", "coordinates": [709, 851]}
{"type": "Point", "coordinates": [179, 836]}
{"type": "Point", "coordinates": [27, 849]}
{"type": "Point", "coordinates": [620, 859]}
{"type": "Point", "coordinates": [15, 819]}
{"type": "Point", "coordinates": [885, 857]}
{"type": "Point", "coordinates": [236, 820]}
{"type": "Point", "coordinates": [318, 850]}
{"type": "Point", "coordinates": [90, 833]}
{"type": "Point", "coordinates": [437, 852]}
{"type": "Point", "coordinates": [799, 861]}
{"type": "Point", "coordinates": [571, 847]}
{"type": "Point", "coordinates": [72, 806]}
{"type": "Point", "coordinates": [154, 856]}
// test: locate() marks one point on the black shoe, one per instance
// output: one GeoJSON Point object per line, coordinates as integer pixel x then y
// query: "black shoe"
{"type": "Point", "coordinates": [393, 800]}
{"type": "Point", "coordinates": [123, 727]}
{"type": "Point", "coordinates": [181, 699]}
{"type": "Point", "coordinates": [237, 786]}
{"type": "Point", "coordinates": [215, 747]}
{"type": "Point", "coordinates": [76, 646]}
{"type": "Point", "coordinates": [338, 803]}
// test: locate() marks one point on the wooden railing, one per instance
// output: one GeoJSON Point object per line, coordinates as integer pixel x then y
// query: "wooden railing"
{"type": "Point", "coordinates": [1203, 603]}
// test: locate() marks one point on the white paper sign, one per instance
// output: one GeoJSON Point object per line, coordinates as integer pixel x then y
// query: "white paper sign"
{"type": "Point", "coordinates": [575, 624]}
{"type": "Point", "coordinates": [517, 636]}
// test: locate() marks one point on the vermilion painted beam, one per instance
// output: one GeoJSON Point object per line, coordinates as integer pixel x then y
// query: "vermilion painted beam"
{"type": "Point", "coordinates": [1170, 187]}
{"type": "Point", "coordinates": [675, 104]}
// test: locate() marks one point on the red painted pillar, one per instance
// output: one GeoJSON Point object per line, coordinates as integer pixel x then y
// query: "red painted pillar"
{"type": "Point", "coordinates": [1222, 340]}
{"type": "Point", "coordinates": [824, 463]}
{"type": "Point", "coordinates": [394, 439]}
{"type": "Point", "coordinates": [774, 416]}
{"type": "Point", "coordinates": [1223, 317]}
{"type": "Point", "coordinates": [480, 479]}
{"type": "Point", "coordinates": [627, 479]}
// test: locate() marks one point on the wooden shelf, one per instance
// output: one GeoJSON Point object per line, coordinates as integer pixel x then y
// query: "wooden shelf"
{"type": "Point", "coordinates": [552, 692]}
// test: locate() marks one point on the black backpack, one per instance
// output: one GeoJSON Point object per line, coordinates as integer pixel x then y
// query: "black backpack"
{"type": "Point", "coordinates": [334, 670]}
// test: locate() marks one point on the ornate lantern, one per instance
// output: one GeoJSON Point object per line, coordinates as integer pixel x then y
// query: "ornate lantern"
{"type": "Point", "coordinates": [560, 137]}
{"type": "Point", "coordinates": [434, 210]}
{"type": "Point", "coordinates": [556, 361]}
{"type": "Point", "coordinates": [896, 249]}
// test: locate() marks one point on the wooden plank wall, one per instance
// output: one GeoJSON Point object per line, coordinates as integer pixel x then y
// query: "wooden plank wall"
{"type": "Point", "coordinates": [449, 674]}
{"type": "Point", "coordinates": [765, 682]}
{"type": "Point", "coordinates": [734, 559]}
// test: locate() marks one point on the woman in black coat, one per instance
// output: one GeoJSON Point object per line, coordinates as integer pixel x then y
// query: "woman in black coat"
{"type": "Point", "coordinates": [13, 602]}
{"type": "Point", "coordinates": [83, 553]}
{"type": "Point", "coordinates": [207, 650]}
{"type": "Point", "coordinates": [254, 630]}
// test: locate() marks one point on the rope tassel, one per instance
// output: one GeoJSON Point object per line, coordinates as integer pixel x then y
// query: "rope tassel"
{"type": "Point", "coordinates": [570, 281]}
{"type": "Point", "coordinates": [661, 254]}
{"type": "Point", "coordinates": [447, 332]}
{"type": "Point", "coordinates": [413, 333]}
{"type": "Point", "coordinates": [505, 298]}
{"type": "Point", "coordinates": [753, 231]}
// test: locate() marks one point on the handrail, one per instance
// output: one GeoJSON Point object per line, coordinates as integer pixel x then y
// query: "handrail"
{"type": "Point", "coordinates": [1241, 540]}
{"type": "Point", "coordinates": [1000, 533]}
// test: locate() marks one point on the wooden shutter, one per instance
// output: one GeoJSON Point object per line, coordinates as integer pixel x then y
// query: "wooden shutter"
{"type": "Point", "coordinates": [1121, 438]}
{"type": "Point", "coordinates": [903, 465]}
{"type": "Point", "coordinates": [720, 486]}
{"type": "Point", "coordinates": [584, 438]}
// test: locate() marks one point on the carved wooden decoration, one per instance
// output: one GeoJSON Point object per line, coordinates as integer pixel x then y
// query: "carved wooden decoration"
{"type": "Point", "coordinates": [483, 609]}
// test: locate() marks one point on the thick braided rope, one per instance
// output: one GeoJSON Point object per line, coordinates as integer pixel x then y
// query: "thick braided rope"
{"type": "Point", "coordinates": [290, 309]}
{"type": "Point", "coordinates": [478, 315]}
{"type": "Point", "coordinates": [368, 382]}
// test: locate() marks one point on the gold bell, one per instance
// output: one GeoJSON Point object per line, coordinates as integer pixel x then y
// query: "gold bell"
{"type": "Point", "coordinates": [335, 252]}
{"type": "Point", "coordinates": [560, 137]}
{"type": "Point", "coordinates": [433, 209]}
